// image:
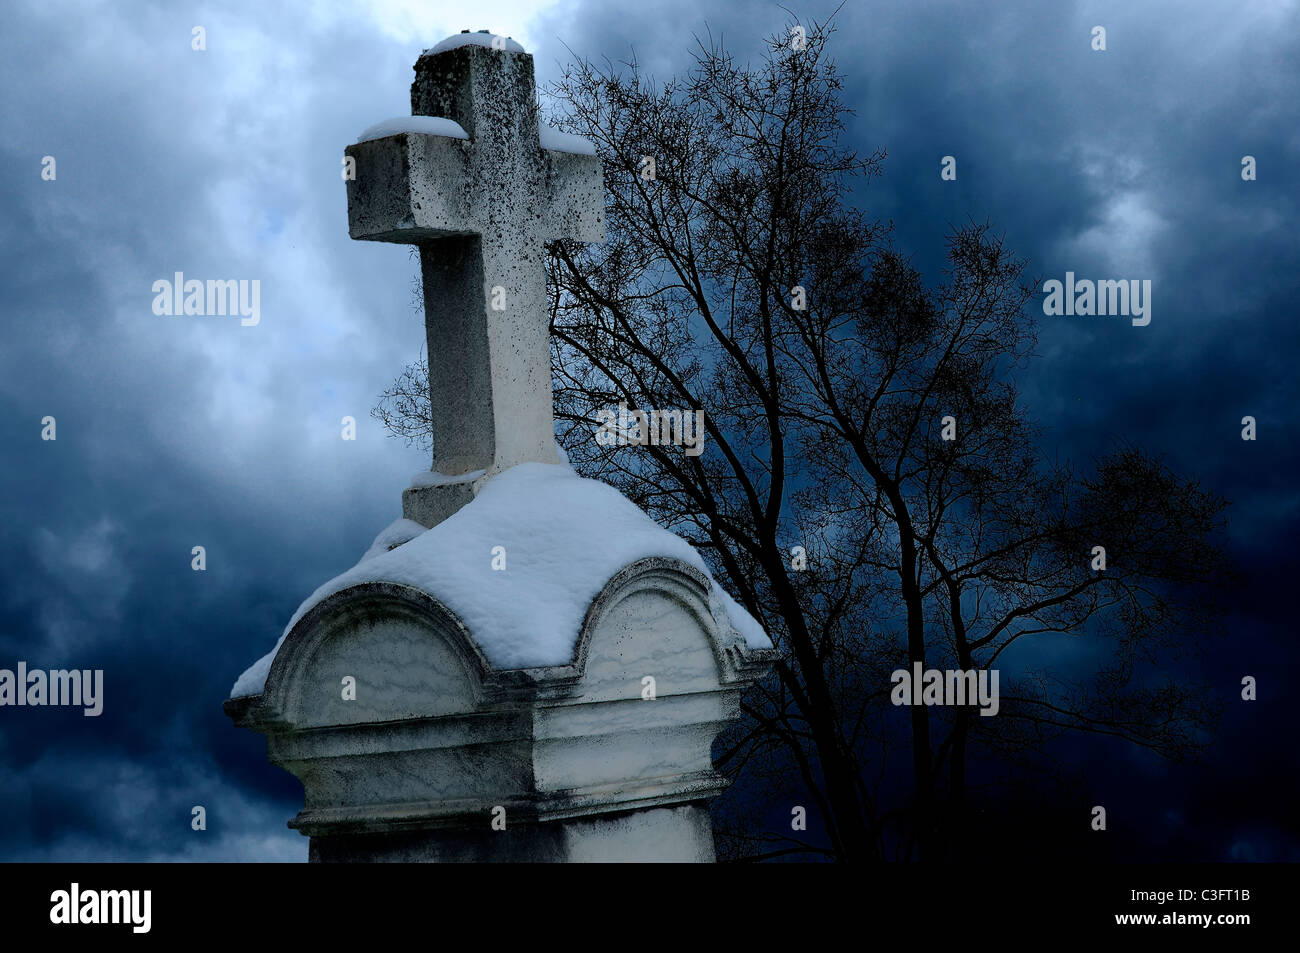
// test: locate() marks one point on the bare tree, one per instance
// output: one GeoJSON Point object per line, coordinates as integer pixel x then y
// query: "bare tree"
{"type": "Point", "coordinates": [740, 279]}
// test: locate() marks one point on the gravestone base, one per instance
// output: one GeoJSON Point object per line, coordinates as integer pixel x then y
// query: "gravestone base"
{"type": "Point", "coordinates": [441, 757]}
{"type": "Point", "coordinates": [682, 833]}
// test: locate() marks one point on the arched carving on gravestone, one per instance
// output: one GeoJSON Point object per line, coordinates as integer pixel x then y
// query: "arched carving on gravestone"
{"type": "Point", "coordinates": [429, 663]}
{"type": "Point", "coordinates": [672, 579]}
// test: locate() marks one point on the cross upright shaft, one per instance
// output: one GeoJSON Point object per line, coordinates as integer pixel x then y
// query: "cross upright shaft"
{"type": "Point", "coordinates": [480, 210]}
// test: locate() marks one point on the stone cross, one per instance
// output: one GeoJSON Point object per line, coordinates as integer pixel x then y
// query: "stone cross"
{"type": "Point", "coordinates": [480, 210]}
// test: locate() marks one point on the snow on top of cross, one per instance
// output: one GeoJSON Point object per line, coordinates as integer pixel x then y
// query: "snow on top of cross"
{"type": "Point", "coordinates": [557, 141]}
{"type": "Point", "coordinates": [550, 137]}
{"type": "Point", "coordinates": [481, 38]}
{"type": "Point", "coordinates": [565, 537]}
{"type": "Point", "coordinates": [426, 125]}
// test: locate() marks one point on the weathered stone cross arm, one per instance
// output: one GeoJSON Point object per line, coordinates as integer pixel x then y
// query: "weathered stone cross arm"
{"type": "Point", "coordinates": [413, 192]}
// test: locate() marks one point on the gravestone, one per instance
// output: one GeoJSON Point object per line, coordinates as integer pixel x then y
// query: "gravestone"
{"type": "Point", "coordinates": [524, 667]}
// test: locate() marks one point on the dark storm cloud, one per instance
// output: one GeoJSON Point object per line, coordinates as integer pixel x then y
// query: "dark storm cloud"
{"type": "Point", "coordinates": [181, 431]}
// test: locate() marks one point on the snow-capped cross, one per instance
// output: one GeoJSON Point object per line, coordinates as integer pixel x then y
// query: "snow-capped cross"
{"type": "Point", "coordinates": [479, 190]}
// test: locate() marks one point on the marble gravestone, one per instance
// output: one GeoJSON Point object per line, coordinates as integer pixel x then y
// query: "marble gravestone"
{"type": "Point", "coordinates": [524, 667]}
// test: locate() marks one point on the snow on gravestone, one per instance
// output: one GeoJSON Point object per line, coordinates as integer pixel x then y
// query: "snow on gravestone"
{"type": "Point", "coordinates": [540, 674]}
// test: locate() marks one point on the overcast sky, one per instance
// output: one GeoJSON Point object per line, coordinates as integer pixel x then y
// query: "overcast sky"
{"type": "Point", "coordinates": [176, 431]}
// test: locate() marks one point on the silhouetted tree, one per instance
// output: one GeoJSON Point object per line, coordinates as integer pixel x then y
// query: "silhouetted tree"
{"type": "Point", "coordinates": [741, 280]}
